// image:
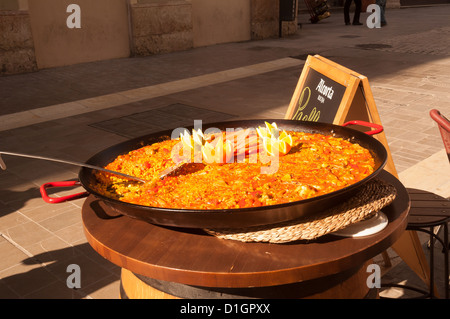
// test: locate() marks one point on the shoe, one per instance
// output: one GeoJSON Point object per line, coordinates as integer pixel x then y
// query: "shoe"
{"type": "Point", "coordinates": [357, 23]}
{"type": "Point", "coordinates": [347, 23]}
{"type": "Point", "coordinates": [383, 24]}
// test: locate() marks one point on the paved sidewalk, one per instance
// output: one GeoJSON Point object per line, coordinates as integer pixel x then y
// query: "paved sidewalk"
{"type": "Point", "coordinates": [73, 112]}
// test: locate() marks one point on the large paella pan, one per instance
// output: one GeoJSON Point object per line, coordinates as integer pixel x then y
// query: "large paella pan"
{"type": "Point", "coordinates": [231, 216]}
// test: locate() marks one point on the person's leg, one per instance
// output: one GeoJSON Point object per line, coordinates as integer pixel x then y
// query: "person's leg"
{"type": "Point", "coordinates": [382, 4]}
{"type": "Point", "coordinates": [358, 6]}
{"type": "Point", "coordinates": [347, 11]}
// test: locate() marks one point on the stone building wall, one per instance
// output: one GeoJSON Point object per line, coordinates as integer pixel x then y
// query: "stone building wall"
{"type": "Point", "coordinates": [264, 19]}
{"type": "Point", "coordinates": [161, 27]}
{"type": "Point", "coordinates": [34, 33]}
{"type": "Point", "coordinates": [16, 43]}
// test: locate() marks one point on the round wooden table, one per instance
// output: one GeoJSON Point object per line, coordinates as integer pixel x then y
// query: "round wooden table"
{"type": "Point", "coordinates": [165, 262]}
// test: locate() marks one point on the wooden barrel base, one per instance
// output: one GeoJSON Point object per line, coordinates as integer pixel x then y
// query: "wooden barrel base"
{"type": "Point", "coordinates": [131, 287]}
{"type": "Point", "coordinates": [350, 284]}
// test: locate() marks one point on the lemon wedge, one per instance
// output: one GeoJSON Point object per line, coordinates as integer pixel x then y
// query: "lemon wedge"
{"type": "Point", "coordinates": [286, 138]}
{"type": "Point", "coordinates": [273, 129]}
{"type": "Point", "coordinates": [208, 152]}
{"type": "Point", "coordinates": [217, 152]}
{"type": "Point", "coordinates": [275, 147]}
{"type": "Point", "coordinates": [186, 140]}
{"type": "Point", "coordinates": [198, 137]}
{"type": "Point", "coordinates": [262, 132]}
{"type": "Point", "coordinates": [274, 142]}
{"type": "Point", "coordinates": [283, 147]}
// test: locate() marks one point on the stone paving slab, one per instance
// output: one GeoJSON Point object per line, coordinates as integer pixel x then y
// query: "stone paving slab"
{"type": "Point", "coordinates": [160, 119]}
{"type": "Point", "coordinates": [121, 97]}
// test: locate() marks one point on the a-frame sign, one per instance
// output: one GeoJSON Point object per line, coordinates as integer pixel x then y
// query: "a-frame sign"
{"type": "Point", "coordinates": [328, 92]}
{"type": "Point", "coordinates": [331, 93]}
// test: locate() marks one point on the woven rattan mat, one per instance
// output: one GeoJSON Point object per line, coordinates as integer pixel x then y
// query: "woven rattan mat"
{"type": "Point", "coordinates": [370, 198]}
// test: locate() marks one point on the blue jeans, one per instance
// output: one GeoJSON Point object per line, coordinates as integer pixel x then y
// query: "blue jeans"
{"type": "Point", "coordinates": [382, 5]}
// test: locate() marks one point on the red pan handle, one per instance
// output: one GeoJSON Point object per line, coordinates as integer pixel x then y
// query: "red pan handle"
{"type": "Point", "coordinates": [377, 128]}
{"type": "Point", "coordinates": [57, 200]}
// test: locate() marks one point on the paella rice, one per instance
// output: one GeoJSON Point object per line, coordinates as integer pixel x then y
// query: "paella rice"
{"type": "Point", "coordinates": [315, 165]}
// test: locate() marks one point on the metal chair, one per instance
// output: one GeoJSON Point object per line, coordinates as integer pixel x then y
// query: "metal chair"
{"type": "Point", "coordinates": [429, 213]}
{"type": "Point", "coordinates": [444, 129]}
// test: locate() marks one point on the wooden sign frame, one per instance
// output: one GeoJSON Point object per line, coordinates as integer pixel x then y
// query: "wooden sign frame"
{"type": "Point", "coordinates": [326, 67]}
{"type": "Point", "coordinates": [358, 103]}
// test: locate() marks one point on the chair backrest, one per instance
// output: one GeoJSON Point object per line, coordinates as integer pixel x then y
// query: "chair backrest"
{"type": "Point", "coordinates": [444, 128]}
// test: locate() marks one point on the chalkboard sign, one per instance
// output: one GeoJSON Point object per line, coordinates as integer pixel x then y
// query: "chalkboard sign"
{"type": "Point", "coordinates": [323, 92]}
{"type": "Point", "coordinates": [331, 93]}
{"type": "Point", "coordinates": [319, 99]}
